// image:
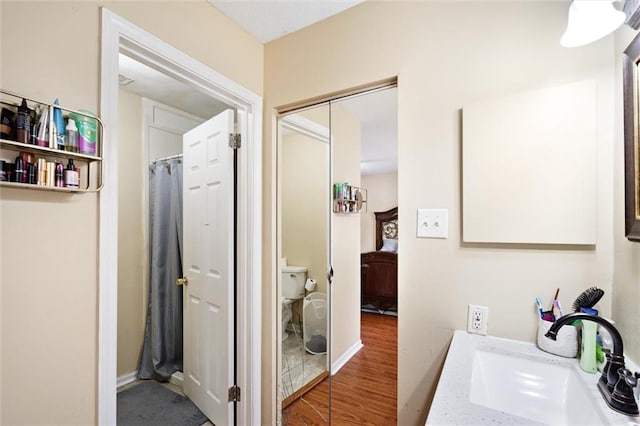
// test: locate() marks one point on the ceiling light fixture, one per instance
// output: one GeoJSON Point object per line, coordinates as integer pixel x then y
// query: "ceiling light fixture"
{"type": "Point", "coordinates": [590, 20]}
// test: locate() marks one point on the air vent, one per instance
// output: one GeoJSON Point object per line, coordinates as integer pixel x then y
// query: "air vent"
{"type": "Point", "coordinates": [124, 80]}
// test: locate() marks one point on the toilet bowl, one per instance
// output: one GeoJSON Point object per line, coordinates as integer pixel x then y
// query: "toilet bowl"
{"type": "Point", "coordinates": [293, 281]}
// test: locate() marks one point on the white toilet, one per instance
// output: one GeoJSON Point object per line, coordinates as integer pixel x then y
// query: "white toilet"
{"type": "Point", "coordinates": [293, 281]}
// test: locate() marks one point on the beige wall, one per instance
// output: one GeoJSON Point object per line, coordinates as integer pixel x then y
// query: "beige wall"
{"type": "Point", "coordinates": [626, 275]}
{"type": "Point", "coordinates": [131, 289]}
{"type": "Point", "coordinates": [49, 299]}
{"type": "Point", "coordinates": [446, 54]}
{"type": "Point", "coordinates": [382, 195]}
{"type": "Point", "coordinates": [345, 235]}
{"type": "Point", "coordinates": [305, 198]}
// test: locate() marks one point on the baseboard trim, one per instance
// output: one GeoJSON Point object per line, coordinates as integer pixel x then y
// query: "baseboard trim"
{"type": "Point", "coordinates": [125, 379]}
{"type": "Point", "coordinates": [176, 378]}
{"type": "Point", "coordinates": [345, 357]}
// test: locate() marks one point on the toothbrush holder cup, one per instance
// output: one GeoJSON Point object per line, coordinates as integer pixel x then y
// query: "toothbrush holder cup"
{"type": "Point", "coordinates": [566, 343]}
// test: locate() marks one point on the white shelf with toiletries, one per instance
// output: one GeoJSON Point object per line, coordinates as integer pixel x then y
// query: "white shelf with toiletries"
{"type": "Point", "coordinates": [35, 155]}
{"type": "Point", "coordinates": [349, 199]}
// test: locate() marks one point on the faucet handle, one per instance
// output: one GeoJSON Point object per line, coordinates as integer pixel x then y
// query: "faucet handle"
{"type": "Point", "coordinates": [630, 378]}
{"type": "Point", "coordinates": [622, 397]}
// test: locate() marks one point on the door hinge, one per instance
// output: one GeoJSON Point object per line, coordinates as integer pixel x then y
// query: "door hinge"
{"type": "Point", "coordinates": [234, 140]}
{"type": "Point", "coordinates": [234, 393]}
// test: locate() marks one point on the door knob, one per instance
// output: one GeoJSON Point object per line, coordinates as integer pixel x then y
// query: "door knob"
{"type": "Point", "coordinates": [182, 281]}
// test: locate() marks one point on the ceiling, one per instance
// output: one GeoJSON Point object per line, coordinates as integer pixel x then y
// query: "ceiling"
{"type": "Point", "coordinates": [283, 16]}
{"type": "Point", "coordinates": [378, 115]}
{"type": "Point", "coordinates": [376, 111]}
{"type": "Point", "coordinates": [150, 83]}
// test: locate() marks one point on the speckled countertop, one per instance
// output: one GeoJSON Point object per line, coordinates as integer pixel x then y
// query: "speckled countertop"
{"type": "Point", "coordinates": [452, 406]}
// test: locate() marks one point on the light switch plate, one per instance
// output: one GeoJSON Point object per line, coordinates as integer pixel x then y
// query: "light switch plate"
{"type": "Point", "coordinates": [433, 223]}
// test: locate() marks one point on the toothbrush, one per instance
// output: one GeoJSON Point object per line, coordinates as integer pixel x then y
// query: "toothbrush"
{"type": "Point", "coordinates": [558, 308]}
{"type": "Point", "coordinates": [555, 297]}
{"type": "Point", "coordinates": [539, 305]}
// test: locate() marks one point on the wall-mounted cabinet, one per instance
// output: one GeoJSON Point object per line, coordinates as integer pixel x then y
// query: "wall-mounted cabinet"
{"type": "Point", "coordinates": [34, 154]}
{"type": "Point", "coordinates": [529, 167]}
{"type": "Point", "coordinates": [349, 199]}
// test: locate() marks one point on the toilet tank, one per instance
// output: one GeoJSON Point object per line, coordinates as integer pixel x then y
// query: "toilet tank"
{"type": "Point", "coordinates": [293, 280]}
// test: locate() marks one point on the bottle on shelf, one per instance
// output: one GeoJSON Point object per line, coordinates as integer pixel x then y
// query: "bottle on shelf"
{"type": "Point", "coordinates": [71, 142]}
{"type": "Point", "coordinates": [23, 123]}
{"type": "Point", "coordinates": [7, 121]}
{"type": "Point", "coordinates": [20, 170]}
{"type": "Point", "coordinates": [71, 175]}
{"type": "Point", "coordinates": [59, 175]}
{"type": "Point", "coordinates": [42, 136]}
{"type": "Point", "coordinates": [58, 122]}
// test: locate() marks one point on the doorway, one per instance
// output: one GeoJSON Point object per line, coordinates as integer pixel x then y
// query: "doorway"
{"type": "Point", "coordinates": [151, 121]}
{"type": "Point", "coordinates": [156, 113]}
{"type": "Point", "coordinates": [120, 36]}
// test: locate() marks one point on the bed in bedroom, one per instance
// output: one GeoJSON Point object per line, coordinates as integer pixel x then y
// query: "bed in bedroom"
{"type": "Point", "coordinates": [379, 269]}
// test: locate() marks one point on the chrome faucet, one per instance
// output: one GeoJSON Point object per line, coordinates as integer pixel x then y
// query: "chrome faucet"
{"type": "Point", "coordinates": [616, 383]}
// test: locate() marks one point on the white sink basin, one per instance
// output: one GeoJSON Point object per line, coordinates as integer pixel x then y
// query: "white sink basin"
{"type": "Point", "coordinates": [488, 381]}
{"type": "Point", "coordinates": [528, 387]}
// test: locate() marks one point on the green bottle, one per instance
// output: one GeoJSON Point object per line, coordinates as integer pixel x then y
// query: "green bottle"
{"type": "Point", "coordinates": [588, 349]}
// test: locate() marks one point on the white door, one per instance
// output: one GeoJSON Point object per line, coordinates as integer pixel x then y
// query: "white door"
{"type": "Point", "coordinates": [208, 264]}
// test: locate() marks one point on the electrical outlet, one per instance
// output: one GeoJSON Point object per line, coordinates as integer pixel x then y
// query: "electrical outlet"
{"type": "Point", "coordinates": [478, 319]}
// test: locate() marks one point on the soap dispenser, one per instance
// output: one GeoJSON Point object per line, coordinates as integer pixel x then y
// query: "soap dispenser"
{"type": "Point", "coordinates": [588, 347]}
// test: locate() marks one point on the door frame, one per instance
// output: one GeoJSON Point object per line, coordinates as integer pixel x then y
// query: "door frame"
{"type": "Point", "coordinates": [119, 35]}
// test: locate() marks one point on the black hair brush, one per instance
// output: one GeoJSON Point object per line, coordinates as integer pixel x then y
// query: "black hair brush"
{"type": "Point", "coordinates": [587, 298]}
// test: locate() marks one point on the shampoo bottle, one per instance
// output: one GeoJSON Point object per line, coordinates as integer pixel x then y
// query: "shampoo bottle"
{"type": "Point", "coordinates": [23, 123]}
{"type": "Point", "coordinates": [58, 121]}
{"type": "Point", "coordinates": [588, 348]}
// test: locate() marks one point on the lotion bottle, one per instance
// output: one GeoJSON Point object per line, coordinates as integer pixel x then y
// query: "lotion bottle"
{"type": "Point", "coordinates": [588, 347]}
{"type": "Point", "coordinates": [71, 142]}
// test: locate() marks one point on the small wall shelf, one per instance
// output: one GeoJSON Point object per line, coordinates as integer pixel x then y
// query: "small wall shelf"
{"type": "Point", "coordinates": [349, 199]}
{"type": "Point", "coordinates": [89, 166]}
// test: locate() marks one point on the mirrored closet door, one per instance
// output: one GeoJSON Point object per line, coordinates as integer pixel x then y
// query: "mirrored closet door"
{"type": "Point", "coordinates": [304, 208]}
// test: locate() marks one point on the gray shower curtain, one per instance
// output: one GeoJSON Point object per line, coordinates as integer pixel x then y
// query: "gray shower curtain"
{"type": "Point", "coordinates": [162, 349]}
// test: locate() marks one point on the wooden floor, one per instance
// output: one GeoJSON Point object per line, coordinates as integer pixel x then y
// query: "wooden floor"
{"type": "Point", "coordinates": [364, 391]}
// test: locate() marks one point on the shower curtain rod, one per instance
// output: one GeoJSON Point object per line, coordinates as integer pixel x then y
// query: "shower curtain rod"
{"type": "Point", "coordinates": [171, 157]}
